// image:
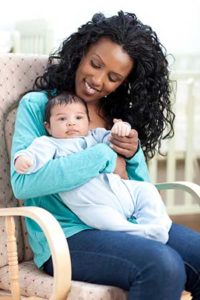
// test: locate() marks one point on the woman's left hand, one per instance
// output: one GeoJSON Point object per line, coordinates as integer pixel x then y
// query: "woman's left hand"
{"type": "Point", "coordinates": [125, 146]}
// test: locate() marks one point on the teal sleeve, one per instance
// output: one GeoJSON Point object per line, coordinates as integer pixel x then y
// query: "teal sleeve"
{"type": "Point", "coordinates": [58, 175]}
{"type": "Point", "coordinates": [137, 167]}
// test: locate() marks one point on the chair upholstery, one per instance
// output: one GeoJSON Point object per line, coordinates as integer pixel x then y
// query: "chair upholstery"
{"type": "Point", "coordinates": [37, 283]}
{"type": "Point", "coordinates": [17, 74]}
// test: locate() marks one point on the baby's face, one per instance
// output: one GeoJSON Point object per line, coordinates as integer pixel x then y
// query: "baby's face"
{"type": "Point", "coordinates": [68, 121]}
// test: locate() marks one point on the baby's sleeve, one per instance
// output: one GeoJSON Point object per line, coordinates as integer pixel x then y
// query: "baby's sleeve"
{"type": "Point", "coordinates": [40, 152]}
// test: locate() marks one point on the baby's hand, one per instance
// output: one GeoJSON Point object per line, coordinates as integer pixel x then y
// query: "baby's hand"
{"type": "Point", "coordinates": [22, 164]}
{"type": "Point", "coordinates": [121, 128]}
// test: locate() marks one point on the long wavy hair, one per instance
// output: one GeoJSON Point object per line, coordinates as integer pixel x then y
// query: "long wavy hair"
{"type": "Point", "coordinates": [143, 99]}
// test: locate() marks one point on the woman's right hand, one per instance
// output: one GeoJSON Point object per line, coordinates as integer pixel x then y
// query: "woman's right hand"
{"type": "Point", "coordinates": [126, 146]}
{"type": "Point", "coordinates": [121, 167]}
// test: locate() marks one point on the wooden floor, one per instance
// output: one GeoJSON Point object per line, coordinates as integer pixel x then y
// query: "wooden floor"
{"type": "Point", "coordinates": [192, 221]}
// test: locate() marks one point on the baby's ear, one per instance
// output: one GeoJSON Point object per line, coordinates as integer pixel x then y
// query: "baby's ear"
{"type": "Point", "coordinates": [47, 126]}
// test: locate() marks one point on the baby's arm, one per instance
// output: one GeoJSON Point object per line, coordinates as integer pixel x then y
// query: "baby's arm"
{"type": "Point", "coordinates": [58, 175]}
{"type": "Point", "coordinates": [120, 128]}
{"type": "Point", "coordinates": [136, 167]}
{"type": "Point", "coordinates": [35, 156]}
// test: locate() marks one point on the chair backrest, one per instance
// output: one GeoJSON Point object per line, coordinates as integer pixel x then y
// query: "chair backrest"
{"type": "Point", "coordinates": [17, 74]}
{"type": "Point", "coordinates": [183, 151]}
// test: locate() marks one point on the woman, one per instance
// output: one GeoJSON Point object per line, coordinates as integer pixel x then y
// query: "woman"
{"type": "Point", "coordinates": [118, 67]}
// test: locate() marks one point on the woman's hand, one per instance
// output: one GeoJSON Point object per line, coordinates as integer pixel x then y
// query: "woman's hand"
{"type": "Point", "coordinates": [121, 167]}
{"type": "Point", "coordinates": [125, 146]}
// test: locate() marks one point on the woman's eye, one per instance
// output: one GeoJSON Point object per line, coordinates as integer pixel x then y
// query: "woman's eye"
{"type": "Point", "coordinates": [94, 64]}
{"type": "Point", "coordinates": [112, 79]}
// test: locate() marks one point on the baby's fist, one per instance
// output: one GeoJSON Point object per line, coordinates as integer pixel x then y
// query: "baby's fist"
{"type": "Point", "coordinates": [121, 128]}
{"type": "Point", "coordinates": [22, 164]}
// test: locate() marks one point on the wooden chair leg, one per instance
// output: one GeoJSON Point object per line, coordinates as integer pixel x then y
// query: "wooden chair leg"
{"type": "Point", "coordinates": [12, 258]}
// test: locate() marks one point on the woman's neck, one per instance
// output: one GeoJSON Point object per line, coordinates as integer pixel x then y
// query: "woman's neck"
{"type": "Point", "coordinates": [96, 120]}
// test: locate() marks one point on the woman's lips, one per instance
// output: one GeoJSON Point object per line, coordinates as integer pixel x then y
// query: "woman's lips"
{"type": "Point", "coordinates": [89, 89]}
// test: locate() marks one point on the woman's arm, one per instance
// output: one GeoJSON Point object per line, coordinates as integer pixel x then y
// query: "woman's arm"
{"type": "Point", "coordinates": [137, 167]}
{"type": "Point", "coordinates": [60, 174]}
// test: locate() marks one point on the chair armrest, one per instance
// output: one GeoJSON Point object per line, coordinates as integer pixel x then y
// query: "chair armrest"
{"type": "Point", "coordinates": [190, 187]}
{"type": "Point", "coordinates": [57, 244]}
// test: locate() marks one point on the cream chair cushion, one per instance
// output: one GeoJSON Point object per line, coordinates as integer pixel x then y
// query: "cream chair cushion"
{"type": "Point", "coordinates": [17, 74]}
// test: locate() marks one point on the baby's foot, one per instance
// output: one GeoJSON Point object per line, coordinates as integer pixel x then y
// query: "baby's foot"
{"type": "Point", "coordinates": [157, 232]}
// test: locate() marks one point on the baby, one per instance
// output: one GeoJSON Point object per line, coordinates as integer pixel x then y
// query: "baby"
{"type": "Point", "coordinates": [106, 202]}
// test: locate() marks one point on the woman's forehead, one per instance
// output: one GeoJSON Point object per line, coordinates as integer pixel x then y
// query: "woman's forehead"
{"type": "Point", "coordinates": [110, 53]}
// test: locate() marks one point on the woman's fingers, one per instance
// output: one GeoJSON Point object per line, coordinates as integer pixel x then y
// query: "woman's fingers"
{"type": "Point", "coordinates": [125, 146]}
{"type": "Point", "coordinates": [124, 152]}
{"type": "Point", "coordinates": [127, 142]}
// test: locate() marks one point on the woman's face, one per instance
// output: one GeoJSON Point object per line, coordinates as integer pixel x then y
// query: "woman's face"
{"type": "Point", "coordinates": [102, 70]}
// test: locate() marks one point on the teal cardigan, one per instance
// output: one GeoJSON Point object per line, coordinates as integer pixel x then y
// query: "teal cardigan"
{"type": "Point", "coordinates": [58, 175]}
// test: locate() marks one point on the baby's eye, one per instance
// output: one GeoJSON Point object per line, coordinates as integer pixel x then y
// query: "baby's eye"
{"type": "Point", "coordinates": [62, 119]}
{"type": "Point", "coordinates": [79, 117]}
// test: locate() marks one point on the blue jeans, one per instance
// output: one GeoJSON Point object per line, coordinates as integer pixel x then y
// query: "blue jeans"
{"type": "Point", "coordinates": [146, 268]}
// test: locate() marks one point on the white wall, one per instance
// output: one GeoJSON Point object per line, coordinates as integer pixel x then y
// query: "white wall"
{"type": "Point", "coordinates": [176, 22]}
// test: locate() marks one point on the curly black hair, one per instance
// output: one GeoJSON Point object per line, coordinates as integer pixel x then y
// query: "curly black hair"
{"type": "Point", "coordinates": [143, 99]}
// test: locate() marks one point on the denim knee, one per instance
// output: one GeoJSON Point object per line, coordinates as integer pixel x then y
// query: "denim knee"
{"type": "Point", "coordinates": [167, 271]}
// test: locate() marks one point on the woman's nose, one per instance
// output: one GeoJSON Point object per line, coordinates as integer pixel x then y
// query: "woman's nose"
{"type": "Point", "coordinates": [98, 80]}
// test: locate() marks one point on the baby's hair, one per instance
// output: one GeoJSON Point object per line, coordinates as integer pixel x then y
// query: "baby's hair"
{"type": "Point", "coordinates": [62, 99]}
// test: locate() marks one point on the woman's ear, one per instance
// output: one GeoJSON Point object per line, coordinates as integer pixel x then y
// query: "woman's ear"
{"type": "Point", "coordinates": [47, 126]}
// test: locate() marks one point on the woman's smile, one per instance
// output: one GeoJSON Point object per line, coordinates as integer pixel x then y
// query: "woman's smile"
{"type": "Point", "coordinates": [90, 90]}
{"type": "Point", "coordinates": [102, 70]}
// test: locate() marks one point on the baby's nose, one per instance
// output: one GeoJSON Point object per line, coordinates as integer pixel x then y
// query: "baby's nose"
{"type": "Point", "coordinates": [71, 122]}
